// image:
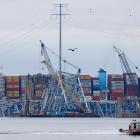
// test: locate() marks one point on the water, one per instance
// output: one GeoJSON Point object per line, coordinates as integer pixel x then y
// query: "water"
{"type": "Point", "coordinates": [63, 129]}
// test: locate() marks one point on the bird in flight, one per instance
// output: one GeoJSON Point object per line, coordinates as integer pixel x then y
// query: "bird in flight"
{"type": "Point", "coordinates": [91, 11]}
{"type": "Point", "coordinates": [72, 49]}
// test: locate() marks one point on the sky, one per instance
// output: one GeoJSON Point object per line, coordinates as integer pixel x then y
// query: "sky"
{"type": "Point", "coordinates": [93, 27]}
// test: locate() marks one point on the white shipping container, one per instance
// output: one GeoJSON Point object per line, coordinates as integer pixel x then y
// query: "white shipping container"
{"type": "Point", "coordinates": [86, 83]}
{"type": "Point", "coordinates": [116, 76]}
{"type": "Point", "coordinates": [95, 82]}
{"type": "Point", "coordinates": [96, 93]}
{"type": "Point", "coordinates": [117, 82]}
{"type": "Point", "coordinates": [117, 85]}
{"type": "Point", "coordinates": [88, 98]}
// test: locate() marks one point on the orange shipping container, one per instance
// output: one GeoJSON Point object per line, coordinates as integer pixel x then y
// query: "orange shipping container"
{"type": "Point", "coordinates": [12, 78]}
{"type": "Point", "coordinates": [13, 94]}
{"type": "Point", "coordinates": [9, 78]}
{"type": "Point", "coordinates": [85, 77]}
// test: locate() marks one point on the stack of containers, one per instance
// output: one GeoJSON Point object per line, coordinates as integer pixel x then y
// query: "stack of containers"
{"type": "Point", "coordinates": [139, 86]}
{"type": "Point", "coordinates": [102, 83]}
{"type": "Point", "coordinates": [23, 91]}
{"type": "Point", "coordinates": [39, 85]}
{"type": "Point", "coordinates": [131, 88]}
{"type": "Point", "coordinates": [115, 86]}
{"type": "Point", "coordinates": [2, 86]}
{"type": "Point", "coordinates": [30, 87]}
{"type": "Point", "coordinates": [13, 87]}
{"type": "Point", "coordinates": [86, 82]}
{"type": "Point", "coordinates": [96, 89]}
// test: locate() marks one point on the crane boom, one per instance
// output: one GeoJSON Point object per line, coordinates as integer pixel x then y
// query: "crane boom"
{"type": "Point", "coordinates": [47, 61]}
{"type": "Point", "coordinates": [64, 91]}
{"type": "Point", "coordinates": [125, 65]}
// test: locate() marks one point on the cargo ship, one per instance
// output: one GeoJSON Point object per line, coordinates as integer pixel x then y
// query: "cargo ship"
{"type": "Point", "coordinates": [23, 96]}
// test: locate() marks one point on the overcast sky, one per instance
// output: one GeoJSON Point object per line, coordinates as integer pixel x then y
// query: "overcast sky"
{"type": "Point", "coordinates": [93, 27]}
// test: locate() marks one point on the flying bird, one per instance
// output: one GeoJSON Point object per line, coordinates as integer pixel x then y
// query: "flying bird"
{"type": "Point", "coordinates": [91, 11]}
{"type": "Point", "coordinates": [72, 49]}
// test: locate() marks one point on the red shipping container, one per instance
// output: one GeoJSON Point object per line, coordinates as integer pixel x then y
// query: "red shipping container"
{"type": "Point", "coordinates": [117, 97]}
{"type": "Point", "coordinates": [12, 89]}
{"type": "Point", "coordinates": [115, 77]}
{"type": "Point", "coordinates": [12, 83]}
{"type": "Point", "coordinates": [85, 77]}
{"type": "Point", "coordinates": [96, 98]}
{"type": "Point", "coordinates": [23, 90]}
{"type": "Point", "coordinates": [132, 90]}
{"type": "Point", "coordinates": [117, 91]}
{"type": "Point", "coordinates": [12, 86]}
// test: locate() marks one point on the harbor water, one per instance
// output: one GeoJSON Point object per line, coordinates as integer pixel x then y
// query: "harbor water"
{"type": "Point", "coordinates": [64, 129]}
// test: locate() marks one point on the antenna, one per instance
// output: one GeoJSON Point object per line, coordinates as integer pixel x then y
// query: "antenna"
{"type": "Point", "coordinates": [60, 14]}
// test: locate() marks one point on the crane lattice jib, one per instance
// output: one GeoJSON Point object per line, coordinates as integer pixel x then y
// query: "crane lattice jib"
{"type": "Point", "coordinates": [125, 65]}
{"type": "Point", "coordinates": [50, 94]}
{"type": "Point", "coordinates": [47, 61]}
{"type": "Point", "coordinates": [64, 92]}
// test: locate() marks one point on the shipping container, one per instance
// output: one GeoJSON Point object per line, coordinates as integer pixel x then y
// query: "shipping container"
{"type": "Point", "coordinates": [40, 83]}
{"type": "Point", "coordinates": [139, 86]}
{"type": "Point", "coordinates": [2, 86]}
{"type": "Point", "coordinates": [85, 77]}
{"type": "Point", "coordinates": [13, 94]}
{"type": "Point", "coordinates": [131, 90]}
{"type": "Point", "coordinates": [23, 90]}
{"type": "Point", "coordinates": [117, 91]}
{"type": "Point", "coordinates": [115, 76]}
{"type": "Point", "coordinates": [115, 86]}
{"type": "Point", "coordinates": [38, 94]}
{"type": "Point", "coordinates": [131, 85]}
{"type": "Point", "coordinates": [96, 93]}
{"type": "Point", "coordinates": [12, 79]}
{"type": "Point", "coordinates": [88, 98]}
{"type": "Point", "coordinates": [102, 80]}
{"type": "Point", "coordinates": [86, 83]}
{"type": "Point", "coordinates": [12, 86]}
{"type": "Point", "coordinates": [96, 98]}
{"type": "Point", "coordinates": [117, 97]}
{"type": "Point", "coordinates": [87, 90]}
{"type": "Point", "coordinates": [96, 86]}
{"type": "Point", "coordinates": [87, 94]}
{"type": "Point", "coordinates": [30, 87]}
{"type": "Point", "coordinates": [95, 89]}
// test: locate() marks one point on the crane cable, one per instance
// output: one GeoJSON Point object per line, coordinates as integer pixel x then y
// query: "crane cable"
{"type": "Point", "coordinates": [135, 66]}
{"type": "Point", "coordinates": [64, 60]}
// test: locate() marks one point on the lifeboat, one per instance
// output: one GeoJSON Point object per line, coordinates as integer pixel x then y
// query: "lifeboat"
{"type": "Point", "coordinates": [134, 128]}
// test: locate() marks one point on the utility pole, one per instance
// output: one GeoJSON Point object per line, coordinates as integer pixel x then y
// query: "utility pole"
{"type": "Point", "coordinates": [60, 14]}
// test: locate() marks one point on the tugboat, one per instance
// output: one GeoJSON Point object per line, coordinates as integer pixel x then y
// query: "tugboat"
{"type": "Point", "coordinates": [134, 128]}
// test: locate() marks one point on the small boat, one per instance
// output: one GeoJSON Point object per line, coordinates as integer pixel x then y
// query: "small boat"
{"type": "Point", "coordinates": [134, 128]}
